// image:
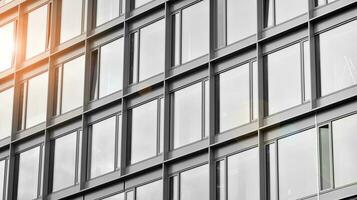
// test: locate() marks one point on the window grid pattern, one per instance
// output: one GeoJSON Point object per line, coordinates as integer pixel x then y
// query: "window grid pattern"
{"type": "Point", "coordinates": [125, 22]}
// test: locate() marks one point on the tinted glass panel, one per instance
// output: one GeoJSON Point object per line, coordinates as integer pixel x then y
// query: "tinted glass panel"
{"type": "Point", "coordinates": [234, 98]}
{"type": "Point", "coordinates": [2, 178]}
{"type": "Point", "coordinates": [195, 184]}
{"type": "Point", "coordinates": [221, 180]}
{"type": "Point", "coordinates": [288, 9]}
{"type": "Point", "coordinates": [71, 19]}
{"type": "Point", "coordinates": [103, 147]}
{"type": "Point", "coordinates": [344, 150]}
{"type": "Point", "coordinates": [64, 166]}
{"type": "Point", "coordinates": [241, 19]}
{"type": "Point", "coordinates": [243, 175]}
{"type": "Point", "coordinates": [268, 13]}
{"type": "Point", "coordinates": [36, 100]}
{"type": "Point", "coordinates": [116, 197]}
{"type": "Point", "coordinates": [36, 32]}
{"type": "Point", "coordinates": [151, 191]}
{"type": "Point", "coordinates": [28, 173]}
{"type": "Point", "coordinates": [107, 10]}
{"type": "Point", "coordinates": [144, 132]}
{"type": "Point", "coordinates": [307, 71]}
{"type": "Point", "coordinates": [139, 3]}
{"type": "Point", "coordinates": [7, 42]}
{"type": "Point", "coordinates": [73, 84]}
{"type": "Point", "coordinates": [284, 70]}
{"type": "Point", "coordinates": [6, 104]}
{"type": "Point", "coordinates": [111, 67]}
{"type": "Point", "coordinates": [152, 50]}
{"type": "Point", "coordinates": [298, 165]}
{"type": "Point", "coordinates": [187, 115]}
{"type": "Point", "coordinates": [271, 170]}
{"type": "Point", "coordinates": [195, 29]}
{"type": "Point", "coordinates": [255, 96]}
{"type": "Point", "coordinates": [325, 161]}
{"type": "Point", "coordinates": [338, 58]}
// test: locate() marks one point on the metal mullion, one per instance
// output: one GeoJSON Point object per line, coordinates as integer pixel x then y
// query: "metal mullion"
{"type": "Point", "coordinates": [251, 92]}
{"type": "Point", "coordinates": [138, 44]}
{"type": "Point", "coordinates": [158, 125]}
{"type": "Point", "coordinates": [84, 17]}
{"type": "Point", "coordinates": [60, 88]}
{"type": "Point", "coordinates": [225, 24]}
{"type": "Point", "coordinates": [302, 72]}
{"type": "Point", "coordinates": [24, 104]}
{"type": "Point", "coordinates": [5, 178]}
{"type": "Point", "coordinates": [39, 181]}
{"type": "Point", "coordinates": [331, 156]}
{"type": "Point", "coordinates": [203, 112]}
{"type": "Point", "coordinates": [98, 71]}
{"type": "Point", "coordinates": [76, 173]}
{"type": "Point", "coordinates": [48, 25]}
{"type": "Point", "coordinates": [277, 169]}
{"type": "Point", "coordinates": [116, 149]}
{"type": "Point", "coordinates": [274, 13]}
{"type": "Point", "coordinates": [180, 38]}
{"type": "Point", "coordinates": [313, 53]}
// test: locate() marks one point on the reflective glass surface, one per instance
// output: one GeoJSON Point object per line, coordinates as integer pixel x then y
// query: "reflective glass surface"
{"type": "Point", "coordinates": [297, 161]}
{"type": "Point", "coordinates": [71, 19]}
{"type": "Point", "coordinates": [116, 197]}
{"type": "Point", "coordinates": [338, 58]}
{"type": "Point", "coordinates": [284, 70]}
{"type": "Point", "coordinates": [144, 131]}
{"type": "Point", "coordinates": [36, 32]}
{"type": "Point", "coordinates": [151, 191]}
{"type": "Point", "coordinates": [6, 106]}
{"type": "Point", "coordinates": [73, 84]}
{"type": "Point", "coordinates": [27, 182]}
{"type": "Point", "coordinates": [36, 100]}
{"type": "Point", "coordinates": [234, 98]}
{"type": "Point", "coordinates": [152, 50]}
{"type": "Point", "coordinates": [107, 10]}
{"type": "Point", "coordinates": [187, 115]}
{"type": "Point", "coordinates": [195, 31]}
{"type": "Point", "coordinates": [288, 9]}
{"type": "Point", "coordinates": [64, 166]}
{"type": "Point", "coordinates": [139, 3]}
{"type": "Point", "coordinates": [7, 40]}
{"type": "Point", "coordinates": [103, 147]}
{"type": "Point", "coordinates": [2, 177]}
{"type": "Point", "coordinates": [195, 184]}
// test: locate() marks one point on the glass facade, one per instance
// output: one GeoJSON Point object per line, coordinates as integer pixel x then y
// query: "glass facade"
{"type": "Point", "coordinates": [178, 100]}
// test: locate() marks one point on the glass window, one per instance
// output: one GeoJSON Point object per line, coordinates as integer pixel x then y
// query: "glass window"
{"type": "Point", "coordinates": [71, 76]}
{"type": "Point", "coordinates": [108, 10]}
{"type": "Point", "coordinates": [284, 69]}
{"type": "Point", "coordinates": [7, 41]}
{"type": "Point", "coordinates": [71, 19]}
{"type": "Point", "coordinates": [241, 19]}
{"type": "Point", "coordinates": [103, 147]}
{"type": "Point", "coordinates": [191, 29]}
{"type": "Point", "coordinates": [6, 105]}
{"type": "Point", "coordinates": [3, 181]}
{"type": "Point", "coordinates": [187, 115]}
{"type": "Point", "coordinates": [234, 98]}
{"type": "Point", "coordinates": [139, 3]}
{"type": "Point", "coordinates": [151, 55]}
{"type": "Point", "coordinates": [325, 157]}
{"type": "Point", "coordinates": [28, 174]}
{"type": "Point", "coordinates": [144, 132]}
{"type": "Point", "coordinates": [36, 31]}
{"type": "Point", "coordinates": [64, 162]}
{"type": "Point", "coordinates": [344, 150]}
{"type": "Point", "coordinates": [307, 71]}
{"type": "Point", "coordinates": [338, 58]}
{"type": "Point", "coordinates": [116, 197]}
{"type": "Point", "coordinates": [194, 184]}
{"type": "Point", "coordinates": [297, 161]}
{"type": "Point", "coordinates": [108, 77]}
{"type": "Point", "coordinates": [221, 180]}
{"type": "Point", "coordinates": [36, 100]}
{"type": "Point", "coordinates": [283, 10]}
{"type": "Point", "coordinates": [243, 175]}
{"type": "Point", "coordinates": [271, 160]}
{"type": "Point", "coordinates": [151, 191]}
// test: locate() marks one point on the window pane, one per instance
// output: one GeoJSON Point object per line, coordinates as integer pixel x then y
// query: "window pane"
{"type": "Point", "coordinates": [268, 13]}
{"type": "Point", "coordinates": [111, 67]}
{"type": "Point", "coordinates": [288, 9]}
{"type": "Point", "coordinates": [36, 32]}
{"type": "Point", "coordinates": [195, 184]}
{"type": "Point", "coordinates": [73, 84]}
{"type": "Point", "coordinates": [71, 19]}
{"type": "Point", "coordinates": [241, 19]}
{"type": "Point", "coordinates": [162, 121]}
{"type": "Point", "coordinates": [187, 115]}
{"type": "Point", "coordinates": [338, 58]}
{"type": "Point", "coordinates": [344, 150]}
{"type": "Point", "coordinates": [307, 71]}
{"type": "Point", "coordinates": [2, 178]}
{"type": "Point", "coordinates": [151, 191]}
{"type": "Point", "coordinates": [174, 194]}
{"type": "Point", "coordinates": [36, 100]}
{"type": "Point", "coordinates": [271, 170]}
{"type": "Point", "coordinates": [255, 91]}
{"type": "Point", "coordinates": [116, 197]}
{"type": "Point", "coordinates": [28, 173]}
{"type": "Point", "coordinates": [64, 166]}
{"type": "Point", "coordinates": [144, 132]}
{"type": "Point", "coordinates": [234, 98]}
{"type": "Point", "coordinates": [221, 180]}
{"type": "Point", "coordinates": [103, 147]}
{"type": "Point", "coordinates": [7, 41]}
{"type": "Point", "coordinates": [195, 31]}
{"type": "Point", "coordinates": [284, 70]}
{"type": "Point", "coordinates": [106, 11]}
{"type": "Point", "coordinates": [6, 105]}
{"type": "Point", "coordinates": [298, 165]}
{"type": "Point", "coordinates": [325, 166]}
{"type": "Point", "coordinates": [206, 110]}
{"type": "Point", "coordinates": [243, 175]}
{"type": "Point", "coordinates": [139, 3]}
{"type": "Point", "coordinates": [152, 50]}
